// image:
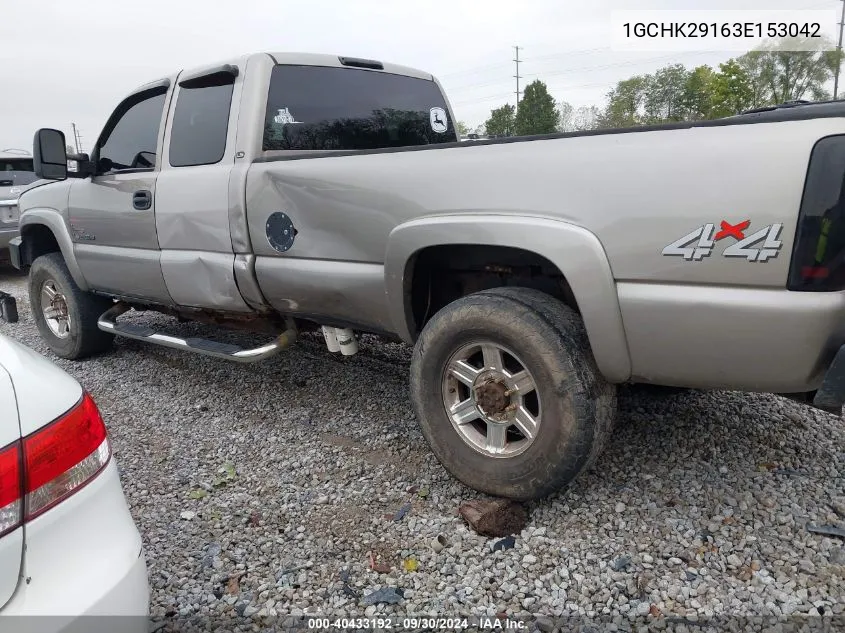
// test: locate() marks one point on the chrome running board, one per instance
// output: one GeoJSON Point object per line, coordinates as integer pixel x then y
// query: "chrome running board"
{"type": "Point", "coordinates": [108, 323]}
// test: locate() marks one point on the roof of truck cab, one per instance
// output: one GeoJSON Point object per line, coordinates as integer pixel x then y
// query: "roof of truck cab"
{"type": "Point", "coordinates": [286, 58]}
{"type": "Point", "coordinates": [322, 59]}
{"type": "Point", "coordinates": [15, 153]}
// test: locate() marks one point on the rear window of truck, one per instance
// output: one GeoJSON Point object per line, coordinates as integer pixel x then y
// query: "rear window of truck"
{"type": "Point", "coordinates": [16, 171]}
{"type": "Point", "coordinates": [325, 108]}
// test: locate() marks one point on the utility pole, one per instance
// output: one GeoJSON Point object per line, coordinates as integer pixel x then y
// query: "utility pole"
{"type": "Point", "coordinates": [839, 53]}
{"type": "Point", "coordinates": [518, 77]}
{"type": "Point", "coordinates": [77, 138]}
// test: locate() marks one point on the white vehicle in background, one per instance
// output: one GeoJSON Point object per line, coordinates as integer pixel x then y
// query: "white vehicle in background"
{"type": "Point", "coordinates": [68, 545]}
{"type": "Point", "coordinates": [16, 176]}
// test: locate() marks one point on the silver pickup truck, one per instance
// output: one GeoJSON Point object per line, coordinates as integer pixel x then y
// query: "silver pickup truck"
{"type": "Point", "coordinates": [532, 275]}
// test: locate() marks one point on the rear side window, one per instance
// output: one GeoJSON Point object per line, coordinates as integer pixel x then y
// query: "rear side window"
{"type": "Point", "coordinates": [325, 108]}
{"type": "Point", "coordinates": [16, 164]}
{"type": "Point", "coordinates": [201, 122]}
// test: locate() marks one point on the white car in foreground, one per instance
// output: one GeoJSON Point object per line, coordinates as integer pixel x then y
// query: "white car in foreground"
{"type": "Point", "coordinates": [68, 545]}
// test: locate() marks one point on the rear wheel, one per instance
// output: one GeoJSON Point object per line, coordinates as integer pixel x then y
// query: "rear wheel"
{"type": "Point", "coordinates": [507, 393]}
{"type": "Point", "coordinates": [65, 315]}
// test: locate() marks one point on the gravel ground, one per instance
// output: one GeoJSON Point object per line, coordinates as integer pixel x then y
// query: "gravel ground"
{"type": "Point", "coordinates": [264, 489]}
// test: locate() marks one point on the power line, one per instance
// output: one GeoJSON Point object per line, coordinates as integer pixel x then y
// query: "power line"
{"type": "Point", "coordinates": [474, 70]}
{"type": "Point", "coordinates": [516, 59]}
{"type": "Point", "coordinates": [558, 73]}
{"type": "Point", "coordinates": [483, 99]}
{"type": "Point", "coordinates": [567, 54]}
{"type": "Point", "coordinates": [523, 60]}
{"type": "Point", "coordinates": [558, 89]}
{"type": "Point", "coordinates": [505, 95]}
{"type": "Point", "coordinates": [616, 64]}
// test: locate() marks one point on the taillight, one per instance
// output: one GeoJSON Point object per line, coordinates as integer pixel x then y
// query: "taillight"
{"type": "Point", "coordinates": [818, 256]}
{"type": "Point", "coordinates": [51, 464]}
{"type": "Point", "coordinates": [10, 488]}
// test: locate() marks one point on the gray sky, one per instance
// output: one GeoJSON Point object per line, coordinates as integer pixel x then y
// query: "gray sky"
{"type": "Point", "coordinates": [73, 61]}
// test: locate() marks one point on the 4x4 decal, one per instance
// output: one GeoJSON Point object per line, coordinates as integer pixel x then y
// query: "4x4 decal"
{"type": "Point", "coordinates": [760, 246]}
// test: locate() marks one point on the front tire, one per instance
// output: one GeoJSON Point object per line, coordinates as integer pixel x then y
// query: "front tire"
{"type": "Point", "coordinates": [508, 395]}
{"type": "Point", "coordinates": [65, 315]}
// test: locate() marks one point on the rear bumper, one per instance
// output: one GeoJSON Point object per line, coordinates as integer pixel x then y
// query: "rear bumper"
{"type": "Point", "coordinates": [83, 559]}
{"type": "Point", "coordinates": [15, 251]}
{"type": "Point", "coordinates": [118, 611]}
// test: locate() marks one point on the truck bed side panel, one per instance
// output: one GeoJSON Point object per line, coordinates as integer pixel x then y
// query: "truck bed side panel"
{"type": "Point", "coordinates": [731, 338]}
{"type": "Point", "coordinates": [638, 192]}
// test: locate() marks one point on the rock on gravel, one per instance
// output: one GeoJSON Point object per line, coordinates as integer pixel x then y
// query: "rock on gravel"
{"type": "Point", "coordinates": [305, 458]}
{"type": "Point", "coordinates": [494, 517]}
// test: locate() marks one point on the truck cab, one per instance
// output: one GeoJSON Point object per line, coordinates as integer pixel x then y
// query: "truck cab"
{"type": "Point", "coordinates": [157, 215]}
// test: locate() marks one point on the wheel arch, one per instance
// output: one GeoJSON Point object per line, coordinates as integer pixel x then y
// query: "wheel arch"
{"type": "Point", "coordinates": [575, 254]}
{"type": "Point", "coordinates": [43, 230]}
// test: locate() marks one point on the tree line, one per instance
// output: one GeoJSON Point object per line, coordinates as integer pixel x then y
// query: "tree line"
{"type": "Point", "coordinates": [765, 76]}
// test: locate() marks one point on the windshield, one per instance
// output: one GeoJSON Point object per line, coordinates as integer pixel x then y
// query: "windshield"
{"type": "Point", "coordinates": [16, 172]}
{"type": "Point", "coordinates": [322, 108]}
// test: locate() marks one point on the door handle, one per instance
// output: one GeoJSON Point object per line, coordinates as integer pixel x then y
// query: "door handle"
{"type": "Point", "coordinates": [142, 200]}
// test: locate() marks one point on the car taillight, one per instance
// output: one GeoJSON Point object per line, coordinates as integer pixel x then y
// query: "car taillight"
{"type": "Point", "coordinates": [51, 464]}
{"type": "Point", "coordinates": [9, 213]}
{"type": "Point", "coordinates": [10, 488]}
{"type": "Point", "coordinates": [818, 256]}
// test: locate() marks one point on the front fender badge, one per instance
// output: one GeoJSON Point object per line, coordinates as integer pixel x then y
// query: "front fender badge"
{"type": "Point", "coordinates": [760, 246]}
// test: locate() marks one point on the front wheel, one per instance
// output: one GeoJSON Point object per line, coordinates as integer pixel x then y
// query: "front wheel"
{"type": "Point", "coordinates": [508, 395]}
{"type": "Point", "coordinates": [66, 316]}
